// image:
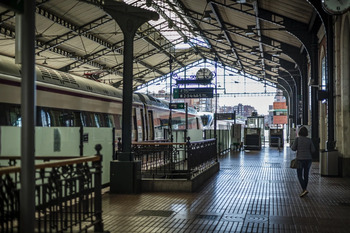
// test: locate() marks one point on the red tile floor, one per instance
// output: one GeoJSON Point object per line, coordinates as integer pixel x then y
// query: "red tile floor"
{"type": "Point", "coordinates": [254, 191]}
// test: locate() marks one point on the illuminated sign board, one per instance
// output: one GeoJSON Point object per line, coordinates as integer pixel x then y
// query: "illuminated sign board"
{"type": "Point", "coordinates": [181, 93]}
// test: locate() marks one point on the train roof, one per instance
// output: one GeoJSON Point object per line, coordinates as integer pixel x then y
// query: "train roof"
{"type": "Point", "coordinates": [59, 78]}
{"type": "Point", "coordinates": [150, 100]}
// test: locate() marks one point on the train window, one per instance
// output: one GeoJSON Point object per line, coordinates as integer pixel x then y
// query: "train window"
{"type": "Point", "coordinates": [87, 119]}
{"type": "Point", "coordinates": [191, 123]}
{"type": "Point", "coordinates": [103, 120]}
{"type": "Point", "coordinates": [43, 117]}
{"type": "Point", "coordinates": [134, 122]}
{"type": "Point", "coordinates": [206, 119]}
{"type": "Point", "coordinates": [117, 121]}
{"type": "Point", "coordinates": [3, 115]}
{"type": "Point", "coordinates": [10, 115]}
{"type": "Point", "coordinates": [107, 120]}
{"type": "Point", "coordinates": [134, 125]}
{"type": "Point", "coordinates": [98, 120]}
{"type": "Point", "coordinates": [77, 120]}
{"type": "Point", "coordinates": [164, 122]}
{"type": "Point", "coordinates": [61, 118]}
{"type": "Point", "coordinates": [144, 126]}
{"type": "Point", "coordinates": [151, 126]}
{"type": "Point", "coordinates": [67, 119]}
{"type": "Point", "coordinates": [176, 122]}
{"type": "Point", "coordinates": [15, 116]}
{"type": "Point", "coordinates": [83, 119]}
{"type": "Point", "coordinates": [55, 117]}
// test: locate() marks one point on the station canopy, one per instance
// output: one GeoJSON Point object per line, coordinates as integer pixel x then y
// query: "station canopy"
{"type": "Point", "coordinates": [252, 37]}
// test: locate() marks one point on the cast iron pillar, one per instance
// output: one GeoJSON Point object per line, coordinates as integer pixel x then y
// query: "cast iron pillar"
{"type": "Point", "coordinates": [304, 94]}
{"type": "Point", "coordinates": [330, 82]}
{"type": "Point", "coordinates": [125, 172]}
{"type": "Point", "coordinates": [28, 87]}
{"type": "Point", "coordinates": [314, 100]}
{"type": "Point", "coordinates": [129, 19]}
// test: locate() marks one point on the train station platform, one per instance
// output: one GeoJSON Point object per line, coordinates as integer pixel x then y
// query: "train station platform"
{"type": "Point", "coordinates": [254, 191]}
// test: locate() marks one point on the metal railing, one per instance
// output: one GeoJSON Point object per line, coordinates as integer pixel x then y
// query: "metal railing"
{"type": "Point", "coordinates": [174, 160]}
{"type": "Point", "coordinates": [201, 154]}
{"type": "Point", "coordinates": [67, 195]}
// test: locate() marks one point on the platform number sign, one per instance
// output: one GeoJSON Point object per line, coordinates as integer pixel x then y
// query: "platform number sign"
{"type": "Point", "coordinates": [177, 105]}
{"type": "Point", "coordinates": [180, 93]}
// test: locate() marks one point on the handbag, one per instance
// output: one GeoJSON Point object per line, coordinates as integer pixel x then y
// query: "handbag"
{"type": "Point", "coordinates": [293, 163]}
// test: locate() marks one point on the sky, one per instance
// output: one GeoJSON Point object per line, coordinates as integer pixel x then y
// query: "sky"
{"type": "Point", "coordinates": [261, 103]}
{"type": "Point", "coordinates": [229, 84]}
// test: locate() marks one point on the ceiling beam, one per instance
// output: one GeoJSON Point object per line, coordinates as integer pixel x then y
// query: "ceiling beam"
{"type": "Point", "coordinates": [224, 29]}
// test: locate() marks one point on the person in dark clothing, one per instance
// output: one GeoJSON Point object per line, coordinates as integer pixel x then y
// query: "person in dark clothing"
{"type": "Point", "coordinates": [304, 148]}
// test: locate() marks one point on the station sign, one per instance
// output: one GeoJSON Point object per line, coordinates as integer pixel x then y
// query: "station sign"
{"type": "Point", "coordinates": [181, 93]}
{"type": "Point", "coordinates": [225, 116]}
{"type": "Point", "coordinates": [203, 77]}
{"type": "Point", "coordinates": [177, 105]}
{"type": "Point", "coordinates": [193, 81]}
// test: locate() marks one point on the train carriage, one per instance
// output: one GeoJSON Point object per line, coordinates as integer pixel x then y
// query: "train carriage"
{"type": "Point", "coordinates": [65, 100]}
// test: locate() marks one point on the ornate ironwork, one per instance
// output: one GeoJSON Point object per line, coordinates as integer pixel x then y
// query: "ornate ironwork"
{"type": "Point", "coordinates": [68, 196]}
{"type": "Point", "coordinates": [175, 160]}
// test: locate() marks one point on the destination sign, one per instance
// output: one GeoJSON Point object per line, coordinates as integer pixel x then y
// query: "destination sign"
{"type": "Point", "coordinates": [177, 105]}
{"type": "Point", "coordinates": [180, 93]}
{"type": "Point", "coordinates": [193, 81]}
{"type": "Point", "coordinates": [225, 116]}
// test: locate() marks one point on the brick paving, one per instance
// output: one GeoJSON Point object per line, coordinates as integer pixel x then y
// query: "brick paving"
{"type": "Point", "coordinates": [254, 191]}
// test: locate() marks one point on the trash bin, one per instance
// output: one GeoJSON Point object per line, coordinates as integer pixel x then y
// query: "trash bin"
{"type": "Point", "coordinates": [329, 163]}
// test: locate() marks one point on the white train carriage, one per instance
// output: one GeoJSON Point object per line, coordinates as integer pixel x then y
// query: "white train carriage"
{"type": "Point", "coordinates": [69, 101]}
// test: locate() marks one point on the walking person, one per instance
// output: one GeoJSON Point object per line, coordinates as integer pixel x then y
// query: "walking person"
{"type": "Point", "coordinates": [304, 148]}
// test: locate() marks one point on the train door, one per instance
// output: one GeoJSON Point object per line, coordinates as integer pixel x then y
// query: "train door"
{"type": "Point", "coordinates": [147, 130]}
{"type": "Point", "coordinates": [144, 125]}
{"type": "Point", "coordinates": [150, 125]}
{"type": "Point", "coordinates": [139, 124]}
{"type": "Point", "coordinates": [134, 125]}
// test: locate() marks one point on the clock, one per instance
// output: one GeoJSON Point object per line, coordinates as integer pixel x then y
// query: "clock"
{"type": "Point", "coordinates": [204, 73]}
{"type": "Point", "coordinates": [335, 6]}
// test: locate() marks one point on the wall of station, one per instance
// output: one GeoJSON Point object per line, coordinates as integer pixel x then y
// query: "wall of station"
{"type": "Point", "coordinates": [342, 89]}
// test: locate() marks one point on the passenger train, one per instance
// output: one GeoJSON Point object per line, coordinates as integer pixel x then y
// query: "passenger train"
{"type": "Point", "coordinates": [208, 121]}
{"type": "Point", "coordinates": [66, 100]}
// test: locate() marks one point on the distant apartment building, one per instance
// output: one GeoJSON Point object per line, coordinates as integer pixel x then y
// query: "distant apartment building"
{"type": "Point", "coordinates": [244, 110]}
{"type": "Point", "coordinates": [279, 109]}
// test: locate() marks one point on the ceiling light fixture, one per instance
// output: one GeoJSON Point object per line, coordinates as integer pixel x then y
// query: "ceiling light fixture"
{"type": "Point", "coordinates": [250, 30]}
{"type": "Point", "coordinates": [255, 50]}
{"type": "Point", "coordinates": [220, 37]}
{"type": "Point", "coordinates": [206, 15]}
{"type": "Point", "coordinates": [185, 39]}
{"type": "Point", "coordinates": [277, 54]}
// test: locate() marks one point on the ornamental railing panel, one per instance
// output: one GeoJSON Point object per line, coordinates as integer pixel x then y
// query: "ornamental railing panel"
{"type": "Point", "coordinates": [67, 195]}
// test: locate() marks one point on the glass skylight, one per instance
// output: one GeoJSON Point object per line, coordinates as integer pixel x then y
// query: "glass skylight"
{"type": "Point", "coordinates": [166, 26]}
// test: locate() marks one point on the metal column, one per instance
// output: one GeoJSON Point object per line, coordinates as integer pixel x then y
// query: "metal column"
{"type": "Point", "coordinates": [27, 194]}
{"type": "Point", "coordinates": [129, 19]}
{"type": "Point", "coordinates": [330, 75]}
{"type": "Point", "coordinates": [125, 173]}
{"type": "Point", "coordinates": [305, 96]}
{"type": "Point", "coordinates": [314, 101]}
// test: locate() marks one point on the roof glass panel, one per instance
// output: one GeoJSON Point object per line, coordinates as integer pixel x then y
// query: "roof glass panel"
{"type": "Point", "coordinates": [166, 25]}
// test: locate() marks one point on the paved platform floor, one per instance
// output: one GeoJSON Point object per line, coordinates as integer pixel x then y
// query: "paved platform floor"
{"type": "Point", "coordinates": [254, 191]}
